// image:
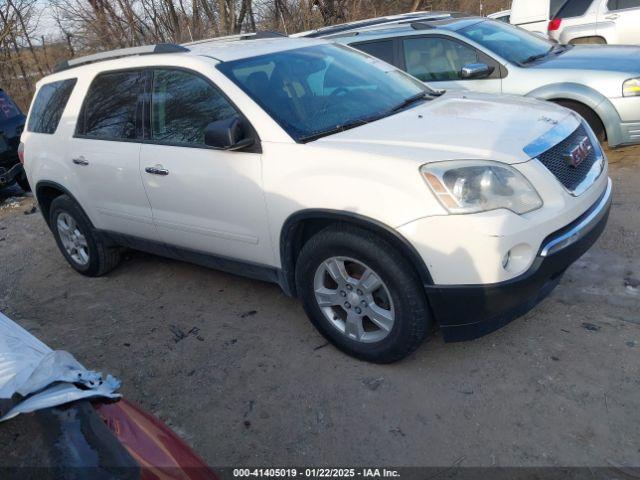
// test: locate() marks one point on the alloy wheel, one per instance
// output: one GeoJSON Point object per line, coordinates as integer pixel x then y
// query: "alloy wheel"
{"type": "Point", "coordinates": [354, 299]}
{"type": "Point", "coordinates": [73, 241]}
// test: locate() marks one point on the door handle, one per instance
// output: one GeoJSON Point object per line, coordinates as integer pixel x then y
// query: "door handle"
{"type": "Point", "coordinates": [80, 161]}
{"type": "Point", "coordinates": [613, 16]}
{"type": "Point", "coordinates": [157, 170]}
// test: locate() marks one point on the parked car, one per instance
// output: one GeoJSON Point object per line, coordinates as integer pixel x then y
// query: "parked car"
{"type": "Point", "coordinates": [601, 83]}
{"type": "Point", "coordinates": [534, 16]}
{"type": "Point", "coordinates": [385, 206]}
{"type": "Point", "coordinates": [370, 22]}
{"type": "Point", "coordinates": [502, 16]}
{"type": "Point", "coordinates": [73, 424]}
{"type": "Point", "coordinates": [578, 21]}
{"type": "Point", "coordinates": [11, 126]}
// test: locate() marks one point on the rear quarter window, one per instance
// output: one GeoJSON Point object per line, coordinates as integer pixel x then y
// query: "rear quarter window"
{"type": "Point", "coordinates": [623, 4]}
{"type": "Point", "coordinates": [574, 8]}
{"type": "Point", "coordinates": [48, 106]}
{"type": "Point", "coordinates": [382, 50]}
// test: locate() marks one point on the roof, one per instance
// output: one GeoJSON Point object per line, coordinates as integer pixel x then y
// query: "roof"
{"type": "Point", "coordinates": [370, 22]}
{"type": "Point", "coordinates": [223, 49]}
{"type": "Point", "coordinates": [226, 51]}
{"type": "Point", "coordinates": [408, 28]}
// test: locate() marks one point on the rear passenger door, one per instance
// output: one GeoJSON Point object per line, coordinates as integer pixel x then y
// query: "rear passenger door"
{"type": "Point", "coordinates": [438, 61]}
{"type": "Point", "coordinates": [204, 200]}
{"type": "Point", "coordinates": [105, 154]}
{"type": "Point", "coordinates": [625, 15]}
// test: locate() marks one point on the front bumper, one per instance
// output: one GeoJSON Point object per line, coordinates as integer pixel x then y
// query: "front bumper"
{"type": "Point", "coordinates": [623, 121]}
{"type": "Point", "coordinates": [465, 312]}
{"type": "Point", "coordinates": [630, 133]}
{"type": "Point", "coordinates": [8, 176]}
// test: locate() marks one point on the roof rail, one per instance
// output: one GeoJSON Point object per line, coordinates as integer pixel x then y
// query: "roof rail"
{"type": "Point", "coordinates": [379, 22]}
{"type": "Point", "coordinates": [422, 26]}
{"type": "Point", "coordinates": [241, 36]}
{"type": "Point", "coordinates": [122, 52]}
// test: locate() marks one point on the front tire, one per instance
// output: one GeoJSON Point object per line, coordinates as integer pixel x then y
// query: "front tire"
{"type": "Point", "coordinates": [589, 115]}
{"type": "Point", "coordinates": [78, 241]}
{"type": "Point", "coordinates": [362, 294]}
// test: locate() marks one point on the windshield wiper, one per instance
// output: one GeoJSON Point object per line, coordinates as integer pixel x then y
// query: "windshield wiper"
{"type": "Point", "coordinates": [337, 129]}
{"type": "Point", "coordinates": [410, 101]}
{"type": "Point", "coordinates": [533, 58]}
{"type": "Point", "coordinates": [363, 121]}
{"type": "Point", "coordinates": [558, 49]}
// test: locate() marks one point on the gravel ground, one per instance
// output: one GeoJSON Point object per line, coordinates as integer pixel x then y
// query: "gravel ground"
{"type": "Point", "coordinates": [236, 369]}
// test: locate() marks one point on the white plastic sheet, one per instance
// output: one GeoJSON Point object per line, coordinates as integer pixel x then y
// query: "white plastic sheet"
{"type": "Point", "coordinates": [46, 377]}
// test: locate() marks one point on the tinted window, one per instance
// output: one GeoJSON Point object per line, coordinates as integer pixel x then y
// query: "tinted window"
{"type": "Point", "coordinates": [382, 50]}
{"type": "Point", "coordinates": [511, 43]}
{"type": "Point", "coordinates": [622, 4]}
{"type": "Point", "coordinates": [8, 109]}
{"type": "Point", "coordinates": [554, 6]}
{"type": "Point", "coordinates": [183, 104]}
{"type": "Point", "coordinates": [574, 8]}
{"type": "Point", "coordinates": [318, 90]}
{"type": "Point", "coordinates": [436, 59]}
{"type": "Point", "coordinates": [111, 110]}
{"type": "Point", "coordinates": [48, 106]}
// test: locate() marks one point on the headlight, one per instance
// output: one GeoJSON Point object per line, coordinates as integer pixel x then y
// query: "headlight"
{"type": "Point", "coordinates": [631, 88]}
{"type": "Point", "coordinates": [471, 186]}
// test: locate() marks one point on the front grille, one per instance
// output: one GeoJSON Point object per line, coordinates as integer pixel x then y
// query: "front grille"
{"type": "Point", "coordinates": [554, 160]}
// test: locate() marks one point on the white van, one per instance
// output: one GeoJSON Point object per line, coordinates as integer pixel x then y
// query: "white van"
{"type": "Point", "coordinates": [580, 21]}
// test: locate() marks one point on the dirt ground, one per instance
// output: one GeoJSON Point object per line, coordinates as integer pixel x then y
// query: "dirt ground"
{"type": "Point", "coordinates": [236, 369]}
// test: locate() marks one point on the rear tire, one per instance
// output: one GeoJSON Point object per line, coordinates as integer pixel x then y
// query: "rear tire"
{"type": "Point", "coordinates": [589, 115]}
{"type": "Point", "coordinates": [395, 317]}
{"type": "Point", "coordinates": [81, 245]}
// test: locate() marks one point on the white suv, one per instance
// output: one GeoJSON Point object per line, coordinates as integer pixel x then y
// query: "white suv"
{"type": "Point", "coordinates": [385, 206]}
{"type": "Point", "coordinates": [578, 21]}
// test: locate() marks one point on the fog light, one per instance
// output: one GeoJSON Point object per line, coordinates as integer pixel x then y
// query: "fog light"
{"type": "Point", "coordinates": [518, 258]}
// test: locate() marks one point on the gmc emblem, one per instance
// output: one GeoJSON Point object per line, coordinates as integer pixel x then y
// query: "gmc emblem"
{"type": "Point", "coordinates": [579, 153]}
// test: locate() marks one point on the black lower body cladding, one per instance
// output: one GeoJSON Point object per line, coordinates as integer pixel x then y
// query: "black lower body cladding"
{"type": "Point", "coordinates": [466, 312]}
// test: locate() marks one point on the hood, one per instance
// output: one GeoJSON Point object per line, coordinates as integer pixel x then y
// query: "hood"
{"type": "Point", "coordinates": [610, 58]}
{"type": "Point", "coordinates": [458, 125]}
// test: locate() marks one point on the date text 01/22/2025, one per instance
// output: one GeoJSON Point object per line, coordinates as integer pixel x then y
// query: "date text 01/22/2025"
{"type": "Point", "coordinates": [315, 473]}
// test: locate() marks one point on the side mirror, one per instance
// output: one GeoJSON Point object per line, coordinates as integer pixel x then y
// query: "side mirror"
{"type": "Point", "coordinates": [476, 70]}
{"type": "Point", "coordinates": [227, 134]}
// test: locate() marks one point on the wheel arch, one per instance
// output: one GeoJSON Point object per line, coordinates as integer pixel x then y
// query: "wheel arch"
{"type": "Point", "coordinates": [580, 40]}
{"type": "Point", "coordinates": [565, 101]}
{"type": "Point", "coordinates": [588, 97]}
{"type": "Point", "coordinates": [302, 225]}
{"type": "Point", "coordinates": [46, 192]}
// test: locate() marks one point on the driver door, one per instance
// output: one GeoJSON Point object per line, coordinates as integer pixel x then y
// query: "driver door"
{"type": "Point", "coordinates": [438, 61]}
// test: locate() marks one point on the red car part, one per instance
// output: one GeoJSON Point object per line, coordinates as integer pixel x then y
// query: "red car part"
{"type": "Point", "coordinates": [161, 454]}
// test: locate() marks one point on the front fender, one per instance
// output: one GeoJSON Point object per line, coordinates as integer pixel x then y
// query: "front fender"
{"type": "Point", "coordinates": [589, 97]}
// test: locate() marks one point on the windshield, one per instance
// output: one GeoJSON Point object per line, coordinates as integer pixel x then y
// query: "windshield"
{"type": "Point", "coordinates": [319, 90]}
{"type": "Point", "coordinates": [8, 109]}
{"type": "Point", "coordinates": [511, 43]}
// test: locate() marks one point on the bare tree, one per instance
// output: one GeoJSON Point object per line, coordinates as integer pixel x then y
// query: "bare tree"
{"type": "Point", "coordinates": [87, 26]}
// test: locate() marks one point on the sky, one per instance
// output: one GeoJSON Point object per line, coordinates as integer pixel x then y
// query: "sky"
{"type": "Point", "coordinates": [46, 24]}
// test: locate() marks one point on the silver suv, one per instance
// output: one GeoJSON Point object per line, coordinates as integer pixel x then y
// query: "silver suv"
{"type": "Point", "coordinates": [601, 83]}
